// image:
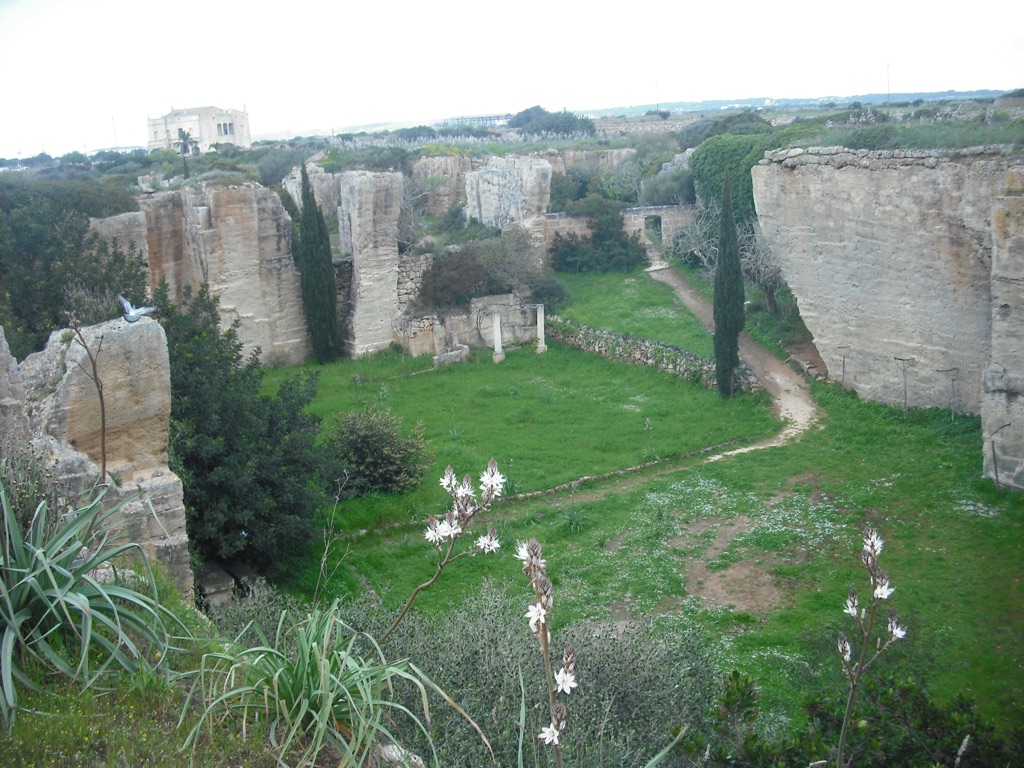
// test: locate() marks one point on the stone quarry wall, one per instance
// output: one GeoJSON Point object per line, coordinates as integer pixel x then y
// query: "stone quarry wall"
{"type": "Point", "coordinates": [1002, 404]}
{"type": "Point", "coordinates": [368, 213]}
{"type": "Point", "coordinates": [442, 180]}
{"type": "Point", "coordinates": [672, 217]}
{"type": "Point", "coordinates": [50, 401]}
{"type": "Point", "coordinates": [509, 190]}
{"type": "Point", "coordinates": [238, 240]}
{"type": "Point", "coordinates": [891, 257]}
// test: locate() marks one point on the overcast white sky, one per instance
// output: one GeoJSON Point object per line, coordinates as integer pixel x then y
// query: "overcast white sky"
{"type": "Point", "coordinates": [86, 74]}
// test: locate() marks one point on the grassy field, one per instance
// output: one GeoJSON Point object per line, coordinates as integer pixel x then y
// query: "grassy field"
{"type": "Point", "coordinates": [778, 530]}
{"type": "Point", "coordinates": [954, 543]}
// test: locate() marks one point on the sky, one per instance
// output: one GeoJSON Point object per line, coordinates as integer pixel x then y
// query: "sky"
{"type": "Point", "coordinates": [84, 75]}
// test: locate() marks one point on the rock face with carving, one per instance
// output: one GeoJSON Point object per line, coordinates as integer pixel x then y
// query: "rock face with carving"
{"type": "Point", "coordinates": [51, 401]}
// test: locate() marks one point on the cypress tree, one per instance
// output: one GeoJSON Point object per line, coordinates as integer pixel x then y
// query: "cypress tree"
{"type": "Point", "coordinates": [319, 294]}
{"type": "Point", "coordinates": [728, 300]}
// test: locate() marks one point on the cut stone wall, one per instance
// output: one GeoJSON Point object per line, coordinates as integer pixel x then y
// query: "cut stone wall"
{"type": "Point", "coordinates": [368, 213]}
{"type": "Point", "coordinates": [892, 258]}
{"type": "Point", "coordinates": [509, 190]}
{"type": "Point", "coordinates": [51, 398]}
{"type": "Point", "coordinates": [1002, 403]}
{"type": "Point", "coordinates": [238, 240]}
{"type": "Point", "coordinates": [442, 180]}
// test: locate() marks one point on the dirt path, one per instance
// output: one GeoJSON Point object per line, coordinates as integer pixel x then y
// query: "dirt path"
{"type": "Point", "coordinates": [789, 390]}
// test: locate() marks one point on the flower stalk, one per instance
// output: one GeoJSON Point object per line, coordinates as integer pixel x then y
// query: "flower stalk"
{"type": "Point", "coordinates": [538, 612]}
{"type": "Point", "coordinates": [444, 532]}
{"type": "Point", "coordinates": [865, 618]}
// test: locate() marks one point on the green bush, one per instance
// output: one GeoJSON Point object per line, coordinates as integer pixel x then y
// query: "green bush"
{"type": "Point", "coordinates": [451, 281]}
{"type": "Point", "coordinates": [367, 454]}
{"type": "Point", "coordinates": [248, 462]}
{"type": "Point", "coordinates": [606, 249]}
{"type": "Point", "coordinates": [636, 684]}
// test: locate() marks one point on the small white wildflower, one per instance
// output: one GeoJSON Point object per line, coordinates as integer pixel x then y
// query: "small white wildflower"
{"type": "Point", "coordinates": [433, 535]}
{"type": "Point", "coordinates": [492, 481]}
{"type": "Point", "coordinates": [896, 630]}
{"type": "Point", "coordinates": [465, 489]}
{"type": "Point", "coordinates": [565, 681]}
{"type": "Point", "coordinates": [549, 734]}
{"type": "Point", "coordinates": [844, 647]}
{"type": "Point", "coordinates": [448, 482]}
{"type": "Point", "coordinates": [851, 604]}
{"type": "Point", "coordinates": [536, 613]}
{"type": "Point", "coordinates": [883, 590]}
{"type": "Point", "coordinates": [872, 543]}
{"type": "Point", "coordinates": [488, 543]}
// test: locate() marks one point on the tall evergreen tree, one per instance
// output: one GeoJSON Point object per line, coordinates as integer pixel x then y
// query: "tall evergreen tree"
{"type": "Point", "coordinates": [319, 294]}
{"type": "Point", "coordinates": [728, 301]}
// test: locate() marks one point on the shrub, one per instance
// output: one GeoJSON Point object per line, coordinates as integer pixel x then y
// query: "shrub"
{"type": "Point", "coordinates": [635, 685]}
{"type": "Point", "coordinates": [451, 281]}
{"type": "Point", "coordinates": [606, 249]}
{"type": "Point", "coordinates": [367, 454]}
{"type": "Point", "coordinates": [58, 616]}
{"type": "Point", "coordinates": [552, 293]}
{"type": "Point", "coordinates": [248, 462]}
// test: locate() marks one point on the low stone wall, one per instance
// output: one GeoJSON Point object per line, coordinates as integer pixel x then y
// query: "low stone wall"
{"type": "Point", "coordinates": [627, 349]}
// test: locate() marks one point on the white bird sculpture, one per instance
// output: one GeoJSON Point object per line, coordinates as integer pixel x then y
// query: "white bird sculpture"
{"type": "Point", "coordinates": [132, 314]}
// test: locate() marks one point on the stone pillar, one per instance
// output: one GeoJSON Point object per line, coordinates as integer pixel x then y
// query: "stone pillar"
{"type": "Point", "coordinates": [541, 346]}
{"type": "Point", "coordinates": [499, 354]}
{"type": "Point", "coordinates": [1002, 404]}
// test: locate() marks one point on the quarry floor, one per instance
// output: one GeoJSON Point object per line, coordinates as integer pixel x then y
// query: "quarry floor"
{"type": "Point", "coordinates": [744, 586]}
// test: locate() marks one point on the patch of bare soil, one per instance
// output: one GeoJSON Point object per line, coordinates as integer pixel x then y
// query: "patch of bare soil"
{"type": "Point", "coordinates": [742, 586]}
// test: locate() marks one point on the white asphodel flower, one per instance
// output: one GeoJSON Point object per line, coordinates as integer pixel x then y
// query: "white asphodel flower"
{"type": "Point", "coordinates": [872, 543]}
{"type": "Point", "coordinates": [851, 604]}
{"type": "Point", "coordinates": [433, 535]}
{"type": "Point", "coordinates": [565, 681]}
{"type": "Point", "coordinates": [448, 482]}
{"type": "Point", "coordinates": [883, 590]}
{"type": "Point", "coordinates": [549, 734]}
{"type": "Point", "coordinates": [844, 647]}
{"type": "Point", "coordinates": [488, 543]}
{"type": "Point", "coordinates": [896, 630]}
{"type": "Point", "coordinates": [491, 480]}
{"type": "Point", "coordinates": [536, 613]}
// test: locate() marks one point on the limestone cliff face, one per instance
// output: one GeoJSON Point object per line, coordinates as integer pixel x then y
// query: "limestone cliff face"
{"type": "Point", "coordinates": [238, 240]}
{"type": "Point", "coordinates": [442, 180]}
{"type": "Point", "coordinates": [52, 396]}
{"type": "Point", "coordinates": [889, 256]}
{"type": "Point", "coordinates": [1002, 404]}
{"type": "Point", "coordinates": [907, 267]}
{"type": "Point", "coordinates": [509, 190]}
{"type": "Point", "coordinates": [370, 206]}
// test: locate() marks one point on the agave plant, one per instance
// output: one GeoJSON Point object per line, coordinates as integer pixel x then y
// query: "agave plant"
{"type": "Point", "coordinates": [318, 685]}
{"type": "Point", "coordinates": [59, 615]}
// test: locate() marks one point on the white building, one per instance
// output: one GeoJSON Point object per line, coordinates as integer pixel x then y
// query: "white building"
{"type": "Point", "coordinates": [207, 125]}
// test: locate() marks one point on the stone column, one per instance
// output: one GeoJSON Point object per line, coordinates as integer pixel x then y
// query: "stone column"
{"type": "Point", "coordinates": [499, 354]}
{"type": "Point", "coordinates": [541, 346]}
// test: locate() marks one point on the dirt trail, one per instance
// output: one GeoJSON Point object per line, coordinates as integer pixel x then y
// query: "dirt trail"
{"type": "Point", "coordinates": [789, 390]}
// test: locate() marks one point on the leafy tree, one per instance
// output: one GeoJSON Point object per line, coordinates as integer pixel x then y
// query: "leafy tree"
{"type": "Point", "coordinates": [319, 294]}
{"type": "Point", "coordinates": [731, 157]}
{"type": "Point", "coordinates": [538, 121]}
{"type": "Point", "coordinates": [607, 248]}
{"type": "Point", "coordinates": [50, 262]}
{"type": "Point", "coordinates": [249, 463]}
{"type": "Point", "coordinates": [728, 299]}
{"type": "Point", "coordinates": [452, 280]}
{"type": "Point", "coordinates": [186, 145]}
{"type": "Point", "coordinates": [368, 454]}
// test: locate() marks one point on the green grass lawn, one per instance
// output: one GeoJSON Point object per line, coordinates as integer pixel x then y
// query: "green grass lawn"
{"type": "Point", "coordinates": [954, 544]}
